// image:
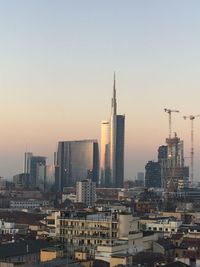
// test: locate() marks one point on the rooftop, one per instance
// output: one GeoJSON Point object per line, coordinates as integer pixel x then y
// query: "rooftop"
{"type": "Point", "coordinates": [22, 248]}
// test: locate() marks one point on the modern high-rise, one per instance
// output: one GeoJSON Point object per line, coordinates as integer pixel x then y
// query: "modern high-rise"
{"type": "Point", "coordinates": [175, 174]}
{"type": "Point", "coordinates": [76, 161]}
{"type": "Point", "coordinates": [27, 161]}
{"type": "Point", "coordinates": [152, 174]}
{"type": "Point", "coordinates": [35, 169]}
{"type": "Point", "coordinates": [112, 147]}
{"type": "Point", "coordinates": [37, 172]}
{"type": "Point", "coordinates": [50, 178]}
{"type": "Point", "coordinates": [105, 153]}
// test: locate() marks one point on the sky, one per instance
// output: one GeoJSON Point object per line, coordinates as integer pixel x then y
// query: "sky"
{"type": "Point", "coordinates": [57, 60]}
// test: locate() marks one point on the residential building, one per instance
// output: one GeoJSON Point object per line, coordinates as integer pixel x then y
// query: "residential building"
{"type": "Point", "coordinates": [96, 232]}
{"type": "Point", "coordinates": [22, 252]}
{"type": "Point", "coordinates": [48, 254]}
{"type": "Point", "coordinates": [86, 192]}
{"type": "Point", "coordinates": [166, 226]}
{"type": "Point", "coordinates": [28, 204]}
{"type": "Point", "coordinates": [12, 228]}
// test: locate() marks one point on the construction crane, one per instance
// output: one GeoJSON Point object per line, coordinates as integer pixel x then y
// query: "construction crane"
{"type": "Point", "coordinates": [170, 154]}
{"type": "Point", "coordinates": [191, 118]}
{"type": "Point", "coordinates": [169, 111]}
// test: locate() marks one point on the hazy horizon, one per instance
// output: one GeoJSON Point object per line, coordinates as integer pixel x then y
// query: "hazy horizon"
{"type": "Point", "coordinates": [57, 64]}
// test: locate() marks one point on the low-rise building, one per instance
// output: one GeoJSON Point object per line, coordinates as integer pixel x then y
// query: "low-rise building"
{"type": "Point", "coordinates": [12, 228]}
{"type": "Point", "coordinates": [28, 204]}
{"type": "Point", "coordinates": [48, 254]}
{"type": "Point", "coordinates": [24, 252]}
{"type": "Point", "coordinates": [167, 226]}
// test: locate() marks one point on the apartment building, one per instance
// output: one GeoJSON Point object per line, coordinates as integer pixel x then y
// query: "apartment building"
{"type": "Point", "coordinates": [167, 226]}
{"type": "Point", "coordinates": [81, 230]}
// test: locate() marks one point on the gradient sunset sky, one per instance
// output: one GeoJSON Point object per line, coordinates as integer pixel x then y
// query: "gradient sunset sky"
{"type": "Point", "coordinates": [57, 60]}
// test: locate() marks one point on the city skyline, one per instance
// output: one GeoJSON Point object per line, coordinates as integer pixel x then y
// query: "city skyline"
{"type": "Point", "coordinates": [57, 63]}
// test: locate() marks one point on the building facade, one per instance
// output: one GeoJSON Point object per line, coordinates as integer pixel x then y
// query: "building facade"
{"type": "Point", "coordinates": [152, 174]}
{"type": "Point", "coordinates": [50, 178]}
{"type": "Point", "coordinates": [37, 172]}
{"type": "Point", "coordinates": [175, 175]}
{"type": "Point", "coordinates": [21, 180]}
{"type": "Point", "coordinates": [76, 161]}
{"type": "Point", "coordinates": [105, 153]}
{"type": "Point", "coordinates": [112, 147]}
{"type": "Point", "coordinates": [80, 230]}
{"type": "Point", "coordinates": [86, 192]}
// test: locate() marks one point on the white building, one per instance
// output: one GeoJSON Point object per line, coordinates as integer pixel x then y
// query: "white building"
{"type": "Point", "coordinates": [28, 204]}
{"type": "Point", "coordinates": [12, 228]}
{"type": "Point", "coordinates": [86, 192]}
{"type": "Point", "coordinates": [166, 226]}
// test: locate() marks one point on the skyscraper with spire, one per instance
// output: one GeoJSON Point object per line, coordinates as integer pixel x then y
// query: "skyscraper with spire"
{"type": "Point", "coordinates": [112, 147]}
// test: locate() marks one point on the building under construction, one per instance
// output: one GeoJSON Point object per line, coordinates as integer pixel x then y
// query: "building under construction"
{"type": "Point", "coordinates": [174, 175]}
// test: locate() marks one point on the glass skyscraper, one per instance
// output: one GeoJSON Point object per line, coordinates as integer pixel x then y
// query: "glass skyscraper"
{"type": "Point", "coordinates": [76, 161]}
{"type": "Point", "coordinates": [112, 148]}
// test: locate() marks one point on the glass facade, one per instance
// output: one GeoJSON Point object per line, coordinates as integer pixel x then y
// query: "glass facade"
{"type": "Point", "coordinates": [76, 161]}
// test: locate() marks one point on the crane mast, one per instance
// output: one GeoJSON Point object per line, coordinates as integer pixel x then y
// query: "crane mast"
{"type": "Point", "coordinates": [191, 118]}
{"type": "Point", "coordinates": [169, 111]}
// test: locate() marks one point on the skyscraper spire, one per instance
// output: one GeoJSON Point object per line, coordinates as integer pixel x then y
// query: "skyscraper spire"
{"type": "Point", "coordinates": [114, 101]}
{"type": "Point", "coordinates": [112, 146]}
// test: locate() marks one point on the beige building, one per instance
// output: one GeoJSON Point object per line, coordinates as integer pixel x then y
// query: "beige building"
{"type": "Point", "coordinates": [48, 254]}
{"type": "Point", "coordinates": [102, 235]}
{"type": "Point", "coordinates": [51, 222]}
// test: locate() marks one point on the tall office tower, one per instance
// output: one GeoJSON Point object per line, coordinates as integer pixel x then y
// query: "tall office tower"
{"type": "Point", "coordinates": [119, 174]}
{"type": "Point", "coordinates": [162, 159]}
{"type": "Point", "coordinates": [105, 153]}
{"type": "Point", "coordinates": [86, 192]}
{"type": "Point", "coordinates": [174, 173]}
{"type": "Point", "coordinates": [50, 178]}
{"type": "Point", "coordinates": [76, 161]}
{"type": "Point", "coordinates": [112, 147]}
{"type": "Point", "coordinates": [152, 174]}
{"type": "Point", "coordinates": [37, 172]}
{"type": "Point", "coordinates": [27, 161]}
